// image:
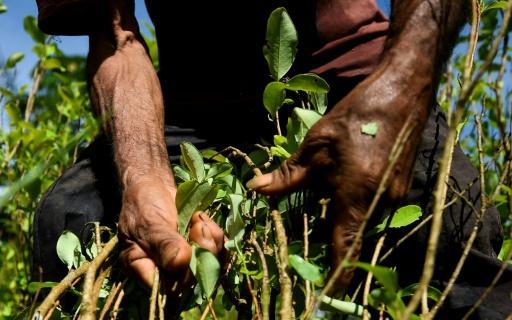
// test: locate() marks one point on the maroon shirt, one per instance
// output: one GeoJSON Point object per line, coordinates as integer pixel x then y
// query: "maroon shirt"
{"type": "Point", "coordinates": [211, 61]}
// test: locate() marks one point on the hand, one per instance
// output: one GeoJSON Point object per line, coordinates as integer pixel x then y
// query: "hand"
{"type": "Point", "coordinates": [352, 162]}
{"type": "Point", "coordinates": [148, 229]}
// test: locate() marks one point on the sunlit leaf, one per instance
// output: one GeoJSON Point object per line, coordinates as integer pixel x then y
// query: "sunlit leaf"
{"type": "Point", "coordinates": [194, 160]}
{"type": "Point", "coordinates": [306, 270]}
{"type": "Point", "coordinates": [386, 277]}
{"type": "Point", "coordinates": [308, 82]}
{"type": "Point", "coordinates": [68, 247]}
{"type": "Point", "coordinates": [432, 293]}
{"type": "Point", "coordinates": [191, 197]}
{"type": "Point", "coordinates": [207, 270]}
{"type": "Point", "coordinates": [281, 43]}
{"type": "Point", "coordinates": [273, 97]}
{"type": "Point", "coordinates": [235, 226]}
{"type": "Point", "coordinates": [370, 128]}
{"type": "Point", "coordinates": [33, 287]}
{"type": "Point", "coordinates": [402, 217]}
{"type": "Point", "coordinates": [30, 26]}
{"type": "Point", "coordinates": [308, 117]}
{"type": "Point", "coordinates": [13, 60]}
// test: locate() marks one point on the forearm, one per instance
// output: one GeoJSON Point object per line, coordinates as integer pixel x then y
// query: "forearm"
{"type": "Point", "coordinates": [126, 95]}
{"type": "Point", "coordinates": [421, 38]}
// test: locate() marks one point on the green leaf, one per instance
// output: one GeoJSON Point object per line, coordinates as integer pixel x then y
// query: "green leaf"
{"type": "Point", "coordinates": [214, 155]}
{"type": "Point", "coordinates": [306, 270]}
{"type": "Point", "coordinates": [280, 152]}
{"type": "Point", "coordinates": [432, 293]}
{"type": "Point", "coordinates": [34, 286]}
{"type": "Point", "coordinates": [402, 217]}
{"type": "Point", "coordinates": [219, 170]}
{"type": "Point", "coordinates": [319, 101]}
{"type": "Point", "coordinates": [386, 277]}
{"type": "Point", "coordinates": [308, 82]}
{"type": "Point", "coordinates": [3, 7]}
{"type": "Point", "coordinates": [68, 246]}
{"type": "Point", "coordinates": [281, 43]}
{"type": "Point", "coordinates": [308, 117]}
{"type": "Point", "coordinates": [235, 226]}
{"type": "Point", "coordinates": [207, 271]}
{"type": "Point", "coordinates": [501, 4]}
{"type": "Point", "coordinates": [382, 296]}
{"type": "Point", "coordinates": [194, 160]}
{"type": "Point", "coordinates": [30, 26]}
{"type": "Point", "coordinates": [460, 126]}
{"type": "Point", "coordinates": [181, 173]}
{"type": "Point", "coordinates": [505, 249]}
{"type": "Point", "coordinates": [273, 97]}
{"type": "Point", "coordinates": [344, 307]}
{"type": "Point", "coordinates": [191, 197]}
{"type": "Point", "coordinates": [13, 60]}
{"type": "Point", "coordinates": [52, 64]}
{"type": "Point", "coordinates": [370, 128]}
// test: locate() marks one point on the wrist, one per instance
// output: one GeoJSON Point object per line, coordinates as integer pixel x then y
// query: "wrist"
{"type": "Point", "coordinates": [162, 177]}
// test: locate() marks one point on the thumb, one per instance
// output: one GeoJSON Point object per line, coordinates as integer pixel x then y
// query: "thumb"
{"type": "Point", "coordinates": [288, 177]}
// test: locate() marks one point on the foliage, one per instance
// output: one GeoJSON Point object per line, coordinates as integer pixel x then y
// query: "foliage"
{"type": "Point", "coordinates": [45, 125]}
{"type": "Point", "coordinates": [49, 122]}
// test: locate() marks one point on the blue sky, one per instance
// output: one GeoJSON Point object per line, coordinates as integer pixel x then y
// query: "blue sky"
{"type": "Point", "coordinates": [13, 38]}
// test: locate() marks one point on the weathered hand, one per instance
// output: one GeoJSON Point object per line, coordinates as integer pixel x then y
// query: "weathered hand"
{"type": "Point", "coordinates": [351, 161]}
{"type": "Point", "coordinates": [148, 229]}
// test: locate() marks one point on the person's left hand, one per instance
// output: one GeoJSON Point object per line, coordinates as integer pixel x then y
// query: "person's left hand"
{"type": "Point", "coordinates": [351, 161]}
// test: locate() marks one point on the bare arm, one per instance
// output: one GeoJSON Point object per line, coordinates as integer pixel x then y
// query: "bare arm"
{"type": "Point", "coordinates": [402, 86]}
{"type": "Point", "coordinates": [126, 94]}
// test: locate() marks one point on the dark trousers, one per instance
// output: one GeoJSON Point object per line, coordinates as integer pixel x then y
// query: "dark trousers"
{"type": "Point", "coordinates": [88, 191]}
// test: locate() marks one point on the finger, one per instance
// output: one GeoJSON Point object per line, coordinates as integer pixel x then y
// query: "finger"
{"type": "Point", "coordinates": [288, 177]}
{"type": "Point", "coordinates": [206, 233]}
{"type": "Point", "coordinates": [137, 263]}
{"type": "Point", "coordinates": [169, 249]}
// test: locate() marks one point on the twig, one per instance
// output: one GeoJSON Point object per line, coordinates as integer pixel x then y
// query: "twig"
{"type": "Point", "coordinates": [265, 289]}
{"type": "Point", "coordinates": [212, 311]}
{"type": "Point", "coordinates": [284, 279]}
{"type": "Point", "coordinates": [278, 125]}
{"type": "Point", "coordinates": [404, 238]}
{"type": "Point", "coordinates": [36, 82]}
{"type": "Point", "coordinates": [476, 226]}
{"type": "Point", "coordinates": [99, 283]}
{"type": "Point", "coordinates": [267, 164]}
{"type": "Point", "coordinates": [254, 298]}
{"type": "Point", "coordinates": [445, 162]}
{"type": "Point", "coordinates": [443, 173]}
{"type": "Point", "coordinates": [306, 256]}
{"type": "Point", "coordinates": [468, 87]}
{"type": "Point", "coordinates": [424, 304]}
{"type": "Point", "coordinates": [368, 283]}
{"type": "Point", "coordinates": [67, 282]}
{"type": "Point", "coordinates": [162, 300]}
{"type": "Point", "coordinates": [115, 310]}
{"type": "Point", "coordinates": [88, 309]}
{"type": "Point", "coordinates": [324, 202]}
{"type": "Point", "coordinates": [50, 312]}
{"type": "Point", "coordinates": [154, 295]}
{"type": "Point", "coordinates": [97, 236]}
{"type": "Point", "coordinates": [247, 159]}
{"type": "Point", "coordinates": [110, 299]}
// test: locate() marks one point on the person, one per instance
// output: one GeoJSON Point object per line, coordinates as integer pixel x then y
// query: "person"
{"type": "Point", "coordinates": [211, 78]}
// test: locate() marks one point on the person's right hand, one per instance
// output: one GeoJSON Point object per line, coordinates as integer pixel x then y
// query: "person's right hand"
{"type": "Point", "coordinates": [148, 229]}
